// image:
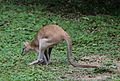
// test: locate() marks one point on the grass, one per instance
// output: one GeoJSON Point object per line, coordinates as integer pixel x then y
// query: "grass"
{"type": "Point", "coordinates": [91, 35]}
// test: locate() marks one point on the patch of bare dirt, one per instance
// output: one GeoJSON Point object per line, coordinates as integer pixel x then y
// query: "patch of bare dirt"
{"type": "Point", "coordinates": [93, 60]}
{"type": "Point", "coordinates": [99, 77]}
{"type": "Point", "coordinates": [108, 68]}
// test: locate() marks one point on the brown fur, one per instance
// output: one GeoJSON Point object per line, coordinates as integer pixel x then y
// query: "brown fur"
{"type": "Point", "coordinates": [53, 35]}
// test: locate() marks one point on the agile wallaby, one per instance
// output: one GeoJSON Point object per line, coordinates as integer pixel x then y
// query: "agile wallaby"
{"type": "Point", "coordinates": [45, 39]}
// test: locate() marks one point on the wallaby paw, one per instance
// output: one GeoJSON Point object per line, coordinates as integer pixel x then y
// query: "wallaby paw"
{"type": "Point", "coordinates": [37, 62]}
{"type": "Point", "coordinates": [34, 62]}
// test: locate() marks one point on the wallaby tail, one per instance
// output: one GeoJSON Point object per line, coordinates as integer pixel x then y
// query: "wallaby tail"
{"type": "Point", "coordinates": [69, 54]}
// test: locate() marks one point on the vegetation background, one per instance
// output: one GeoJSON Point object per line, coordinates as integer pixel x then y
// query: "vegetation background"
{"type": "Point", "coordinates": [94, 26]}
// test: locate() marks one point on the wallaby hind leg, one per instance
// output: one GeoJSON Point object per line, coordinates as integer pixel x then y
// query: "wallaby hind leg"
{"type": "Point", "coordinates": [45, 52]}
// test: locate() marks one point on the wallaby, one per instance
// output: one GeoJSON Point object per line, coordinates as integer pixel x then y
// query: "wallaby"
{"type": "Point", "coordinates": [45, 39]}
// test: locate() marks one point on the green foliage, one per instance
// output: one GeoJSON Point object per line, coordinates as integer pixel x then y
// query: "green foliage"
{"type": "Point", "coordinates": [20, 20]}
{"type": "Point", "coordinates": [73, 8]}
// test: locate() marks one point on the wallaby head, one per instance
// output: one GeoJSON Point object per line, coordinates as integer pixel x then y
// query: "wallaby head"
{"type": "Point", "coordinates": [26, 48]}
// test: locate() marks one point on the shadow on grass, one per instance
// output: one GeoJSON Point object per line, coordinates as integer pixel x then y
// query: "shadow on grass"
{"type": "Point", "coordinates": [74, 8]}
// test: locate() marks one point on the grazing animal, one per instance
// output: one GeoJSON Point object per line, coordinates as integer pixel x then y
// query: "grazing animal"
{"type": "Point", "coordinates": [45, 39]}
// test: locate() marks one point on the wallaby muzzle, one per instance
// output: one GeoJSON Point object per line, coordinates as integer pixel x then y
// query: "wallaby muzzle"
{"type": "Point", "coordinates": [23, 52]}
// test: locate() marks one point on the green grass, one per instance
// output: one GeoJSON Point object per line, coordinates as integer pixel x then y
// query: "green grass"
{"type": "Point", "coordinates": [90, 34]}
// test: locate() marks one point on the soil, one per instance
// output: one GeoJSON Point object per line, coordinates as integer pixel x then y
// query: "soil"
{"type": "Point", "coordinates": [105, 70]}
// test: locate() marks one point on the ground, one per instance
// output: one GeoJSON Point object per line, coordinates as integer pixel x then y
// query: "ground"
{"type": "Point", "coordinates": [96, 41]}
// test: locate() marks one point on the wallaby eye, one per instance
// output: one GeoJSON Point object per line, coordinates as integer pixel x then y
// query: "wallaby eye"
{"type": "Point", "coordinates": [46, 37]}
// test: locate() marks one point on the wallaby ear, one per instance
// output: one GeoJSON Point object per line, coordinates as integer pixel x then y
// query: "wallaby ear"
{"type": "Point", "coordinates": [26, 43]}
